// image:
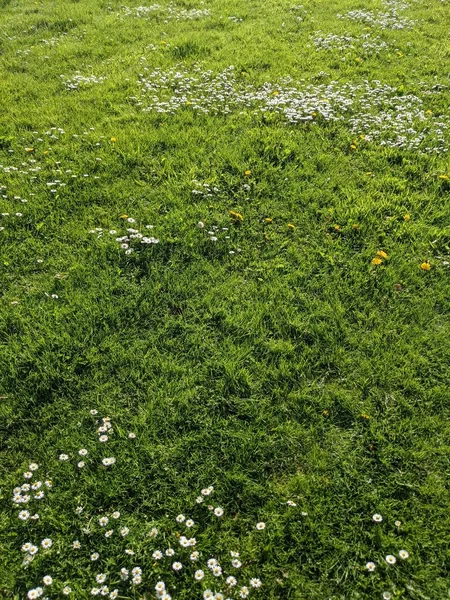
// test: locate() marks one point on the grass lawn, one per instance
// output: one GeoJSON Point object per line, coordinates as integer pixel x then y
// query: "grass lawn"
{"type": "Point", "coordinates": [224, 300]}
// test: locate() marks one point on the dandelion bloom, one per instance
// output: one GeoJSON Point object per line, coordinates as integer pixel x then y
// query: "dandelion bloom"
{"type": "Point", "coordinates": [382, 254]}
{"type": "Point", "coordinates": [376, 261]}
{"type": "Point", "coordinates": [425, 266]}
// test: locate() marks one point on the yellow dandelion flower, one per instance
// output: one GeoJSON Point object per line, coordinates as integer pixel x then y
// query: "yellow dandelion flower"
{"type": "Point", "coordinates": [353, 147]}
{"type": "Point", "coordinates": [291, 226]}
{"type": "Point", "coordinates": [268, 220]}
{"type": "Point", "coordinates": [29, 149]}
{"type": "Point", "coordinates": [407, 217]}
{"type": "Point", "coordinates": [247, 172]}
{"type": "Point", "coordinates": [428, 112]}
{"type": "Point", "coordinates": [124, 216]}
{"type": "Point", "coordinates": [365, 416]}
{"type": "Point", "coordinates": [325, 413]}
{"type": "Point", "coordinates": [355, 226]}
{"type": "Point", "coordinates": [425, 266]}
{"type": "Point", "coordinates": [382, 254]}
{"type": "Point", "coordinates": [113, 139]}
{"type": "Point", "coordinates": [337, 227]}
{"type": "Point", "coordinates": [376, 261]}
{"type": "Point", "coordinates": [443, 176]}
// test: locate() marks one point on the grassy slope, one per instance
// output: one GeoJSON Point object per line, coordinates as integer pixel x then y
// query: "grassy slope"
{"type": "Point", "coordinates": [224, 364]}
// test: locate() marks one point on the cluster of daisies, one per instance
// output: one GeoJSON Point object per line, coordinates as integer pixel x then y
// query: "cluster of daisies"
{"type": "Point", "coordinates": [178, 553]}
{"type": "Point", "coordinates": [131, 239]}
{"type": "Point", "coordinates": [390, 559]}
{"type": "Point", "coordinates": [166, 13]}
{"type": "Point", "coordinates": [78, 81]}
{"type": "Point", "coordinates": [374, 110]}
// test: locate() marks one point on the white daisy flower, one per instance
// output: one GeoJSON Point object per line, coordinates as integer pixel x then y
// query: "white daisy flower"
{"type": "Point", "coordinates": [76, 544]}
{"type": "Point", "coordinates": [153, 532]}
{"type": "Point", "coordinates": [236, 563]}
{"type": "Point", "coordinates": [24, 515]}
{"type": "Point", "coordinates": [260, 526]}
{"type": "Point", "coordinates": [208, 595]}
{"type": "Point", "coordinates": [114, 594]}
{"type": "Point", "coordinates": [234, 554]}
{"type": "Point", "coordinates": [66, 590]}
{"type": "Point", "coordinates": [103, 438]}
{"type": "Point", "coordinates": [170, 552]}
{"type": "Point", "coordinates": [28, 475]}
{"type": "Point", "coordinates": [103, 521]}
{"type": "Point", "coordinates": [46, 543]}
{"type": "Point", "coordinates": [48, 483]}
{"type": "Point", "coordinates": [35, 486]}
{"type": "Point", "coordinates": [160, 587]}
{"type": "Point", "coordinates": [370, 566]}
{"type": "Point", "coordinates": [194, 556]}
{"type": "Point", "coordinates": [47, 580]}
{"type": "Point", "coordinates": [95, 556]}
{"type": "Point", "coordinates": [199, 575]}
{"type": "Point", "coordinates": [157, 554]}
{"type": "Point", "coordinates": [377, 518]}
{"type": "Point", "coordinates": [244, 592]}
{"type": "Point", "coordinates": [137, 579]}
{"type": "Point", "coordinates": [109, 533]}
{"type": "Point", "coordinates": [291, 503]}
{"type": "Point", "coordinates": [131, 435]}
{"type": "Point", "coordinates": [387, 596]}
{"type": "Point", "coordinates": [63, 457]}
{"type": "Point", "coordinates": [199, 499]}
{"type": "Point", "coordinates": [403, 554]}
{"type": "Point", "coordinates": [217, 571]}
{"type": "Point", "coordinates": [255, 582]}
{"type": "Point", "coordinates": [231, 581]}
{"type": "Point", "coordinates": [390, 559]}
{"type": "Point", "coordinates": [124, 574]}
{"type": "Point", "coordinates": [33, 467]}
{"type": "Point", "coordinates": [397, 523]}
{"type": "Point", "coordinates": [81, 464]}
{"type": "Point", "coordinates": [93, 411]}
{"type": "Point", "coordinates": [212, 562]}
{"type": "Point", "coordinates": [218, 511]}
{"type": "Point", "coordinates": [100, 578]}
{"type": "Point", "coordinates": [177, 566]}
{"type": "Point", "coordinates": [35, 517]}
{"type": "Point", "coordinates": [189, 523]}
{"type": "Point", "coordinates": [82, 452]}
{"type": "Point", "coordinates": [124, 531]}
{"type": "Point", "coordinates": [136, 571]}
{"type": "Point", "coordinates": [95, 591]}
{"type": "Point", "coordinates": [180, 518]}
{"type": "Point", "coordinates": [116, 514]}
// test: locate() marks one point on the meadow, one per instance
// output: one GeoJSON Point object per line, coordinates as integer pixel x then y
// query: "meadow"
{"type": "Point", "coordinates": [224, 300]}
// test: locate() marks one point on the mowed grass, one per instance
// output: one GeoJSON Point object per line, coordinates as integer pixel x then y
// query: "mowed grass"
{"type": "Point", "coordinates": [257, 347]}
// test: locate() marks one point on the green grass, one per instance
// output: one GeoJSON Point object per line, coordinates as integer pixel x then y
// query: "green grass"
{"type": "Point", "coordinates": [290, 369]}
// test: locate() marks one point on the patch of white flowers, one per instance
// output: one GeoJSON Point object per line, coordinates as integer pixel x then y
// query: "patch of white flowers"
{"type": "Point", "coordinates": [378, 111]}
